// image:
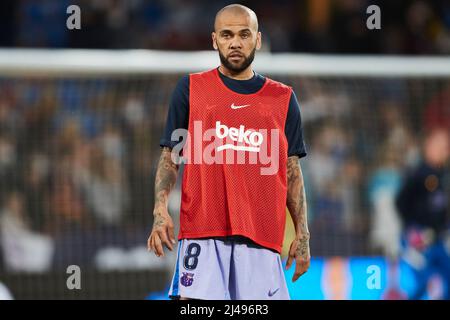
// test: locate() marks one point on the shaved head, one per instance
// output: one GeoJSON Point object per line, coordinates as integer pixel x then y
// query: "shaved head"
{"type": "Point", "coordinates": [237, 38]}
{"type": "Point", "coordinates": [226, 15]}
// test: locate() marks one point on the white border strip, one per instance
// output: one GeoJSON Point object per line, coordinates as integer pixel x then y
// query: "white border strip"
{"type": "Point", "coordinates": [74, 62]}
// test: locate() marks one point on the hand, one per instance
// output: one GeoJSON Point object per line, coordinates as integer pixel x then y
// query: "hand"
{"type": "Point", "coordinates": [162, 233]}
{"type": "Point", "coordinates": [299, 251]}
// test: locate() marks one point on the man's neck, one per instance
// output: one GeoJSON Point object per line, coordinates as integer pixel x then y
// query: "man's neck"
{"type": "Point", "coordinates": [243, 75]}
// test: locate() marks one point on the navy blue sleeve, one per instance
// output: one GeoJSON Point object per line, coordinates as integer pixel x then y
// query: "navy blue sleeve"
{"type": "Point", "coordinates": [178, 114]}
{"type": "Point", "coordinates": [294, 130]}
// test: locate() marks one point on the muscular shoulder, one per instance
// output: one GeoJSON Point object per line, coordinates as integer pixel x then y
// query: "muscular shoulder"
{"type": "Point", "coordinates": [278, 85]}
{"type": "Point", "coordinates": [202, 74]}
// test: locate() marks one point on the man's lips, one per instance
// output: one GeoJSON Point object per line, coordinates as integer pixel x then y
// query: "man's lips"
{"type": "Point", "coordinates": [235, 55]}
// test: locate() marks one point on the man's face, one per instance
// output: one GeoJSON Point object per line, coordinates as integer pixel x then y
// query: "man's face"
{"type": "Point", "coordinates": [437, 147]}
{"type": "Point", "coordinates": [236, 38]}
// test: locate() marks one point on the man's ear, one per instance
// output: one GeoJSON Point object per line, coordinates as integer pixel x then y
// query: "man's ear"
{"type": "Point", "coordinates": [213, 37]}
{"type": "Point", "coordinates": [258, 41]}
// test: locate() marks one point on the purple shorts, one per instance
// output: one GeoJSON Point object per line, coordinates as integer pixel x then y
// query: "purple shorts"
{"type": "Point", "coordinates": [227, 268]}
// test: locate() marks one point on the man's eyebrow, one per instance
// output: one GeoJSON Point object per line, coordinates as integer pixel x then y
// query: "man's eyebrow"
{"type": "Point", "coordinates": [240, 31]}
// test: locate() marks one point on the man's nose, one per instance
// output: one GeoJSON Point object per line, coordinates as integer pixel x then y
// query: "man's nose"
{"type": "Point", "coordinates": [236, 44]}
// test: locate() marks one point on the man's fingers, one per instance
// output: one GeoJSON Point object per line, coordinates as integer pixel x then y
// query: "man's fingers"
{"type": "Point", "coordinates": [297, 274]}
{"type": "Point", "coordinates": [171, 234]}
{"type": "Point", "coordinates": [289, 262]}
{"type": "Point", "coordinates": [149, 243]}
{"type": "Point", "coordinates": [158, 246]}
{"type": "Point", "coordinates": [291, 255]}
{"type": "Point", "coordinates": [307, 264]}
{"type": "Point", "coordinates": [165, 239]}
{"type": "Point", "coordinates": [152, 243]}
{"type": "Point", "coordinates": [300, 269]}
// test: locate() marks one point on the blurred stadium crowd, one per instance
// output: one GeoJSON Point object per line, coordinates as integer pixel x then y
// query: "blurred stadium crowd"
{"type": "Point", "coordinates": [319, 26]}
{"type": "Point", "coordinates": [364, 136]}
{"type": "Point", "coordinates": [76, 172]}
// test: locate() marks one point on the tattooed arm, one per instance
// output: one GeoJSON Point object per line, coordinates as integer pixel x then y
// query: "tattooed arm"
{"type": "Point", "coordinates": [296, 203]}
{"type": "Point", "coordinates": [163, 228]}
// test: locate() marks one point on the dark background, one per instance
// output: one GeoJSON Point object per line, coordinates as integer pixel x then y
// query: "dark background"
{"type": "Point", "coordinates": [410, 27]}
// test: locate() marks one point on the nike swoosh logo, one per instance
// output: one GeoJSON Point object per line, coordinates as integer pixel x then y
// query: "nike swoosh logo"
{"type": "Point", "coordinates": [238, 107]}
{"type": "Point", "coordinates": [271, 293]}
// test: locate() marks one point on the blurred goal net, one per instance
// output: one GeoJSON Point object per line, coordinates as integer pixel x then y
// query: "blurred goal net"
{"type": "Point", "coordinates": [79, 145]}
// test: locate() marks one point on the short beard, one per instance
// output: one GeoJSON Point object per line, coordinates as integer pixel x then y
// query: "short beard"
{"type": "Point", "coordinates": [238, 69]}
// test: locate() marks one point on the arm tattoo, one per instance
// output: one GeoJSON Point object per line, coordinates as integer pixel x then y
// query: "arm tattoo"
{"type": "Point", "coordinates": [166, 176]}
{"type": "Point", "coordinates": [296, 203]}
